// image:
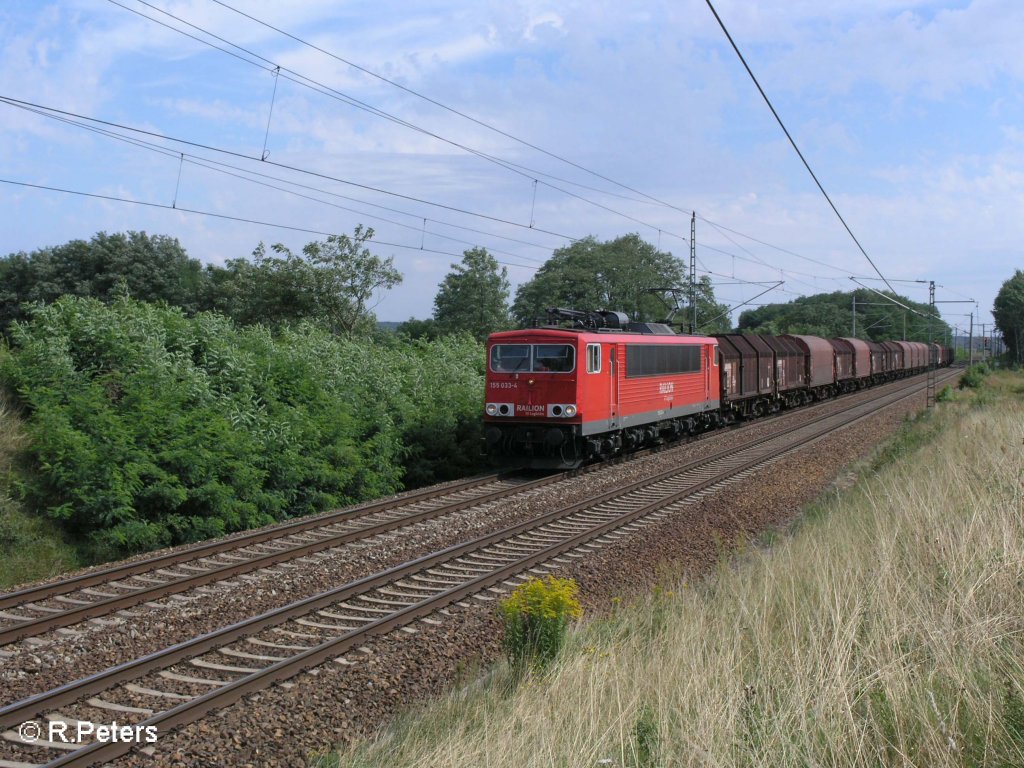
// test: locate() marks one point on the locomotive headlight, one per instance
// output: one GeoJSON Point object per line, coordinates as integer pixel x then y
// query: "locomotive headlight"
{"type": "Point", "coordinates": [561, 411]}
{"type": "Point", "coordinates": [491, 409]}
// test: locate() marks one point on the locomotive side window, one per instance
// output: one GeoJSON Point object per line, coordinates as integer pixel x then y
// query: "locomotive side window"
{"type": "Point", "coordinates": [662, 359]}
{"type": "Point", "coordinates": [593, 358]}
{"type": "Point", "coordinates": [560, 358]}
{"type": "Point", "coordinates": [510, 358]}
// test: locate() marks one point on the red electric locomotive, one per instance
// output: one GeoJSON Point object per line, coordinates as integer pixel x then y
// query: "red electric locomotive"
{"type": "Point", "coordinates": [557, 397]}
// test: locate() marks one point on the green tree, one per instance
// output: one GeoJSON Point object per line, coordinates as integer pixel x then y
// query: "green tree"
{"type": "Point", "coordinates": [332, 282]}
{"type": "Point", "coordinates": [1008, 311]}
{"type": "Point", "coordinates": [590, 274]}
{"type": "Point", "coordinates": [419, 329]}
{"type": "Point", "coordinates": [712, 317]}
{"type": "Point", "coordinates": [473, 297]}
{"type": "Point", "coordinates": [269, 289]}
{"type": "Point", "coordinates": [830, 315]}
{"type": "Point", "coordinates": [149, 267]}
{"type": "Point", "coordinates": [617, 275]}
{"type": "Point", "coordinates": [347, 276]}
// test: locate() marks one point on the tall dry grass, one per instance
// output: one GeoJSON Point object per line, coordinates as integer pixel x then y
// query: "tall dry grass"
{"type": "Point", "coordinates": [888, 630]}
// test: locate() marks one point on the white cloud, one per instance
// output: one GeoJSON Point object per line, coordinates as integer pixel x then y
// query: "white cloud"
{"type": "Point", "coordinates": [908, 111]}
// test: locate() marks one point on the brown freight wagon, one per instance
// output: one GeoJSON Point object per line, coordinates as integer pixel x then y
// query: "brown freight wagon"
{"type": "Point", "coordinates": [881, 360]}
{"type": "Point", "coordinates": [820, 362]}
{"type": "Point", "coordinates": [909, 354]}
{"type": "Point", "coordinates": [923, 354]}
{"type": "Point", "coordinates": [843, 351]}
{"type": "Point", "coordinates": [861, 358]}
{"type": "Point", "coordinates": [913, 354]}
{"type": "Point", "coordinates": [744, 373]}
{"type": "Point", "coordinates": [897, 357]}
{"type": "Point", "coordinates": [920, 354]}
{"type": "Point", "coordinates": [790, 364]}
{"type": "Point", "coordinates": [748, 373]}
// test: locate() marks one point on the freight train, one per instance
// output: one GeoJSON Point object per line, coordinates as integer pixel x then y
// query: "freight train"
{"type": "Point", "coordinates": [557, 397]}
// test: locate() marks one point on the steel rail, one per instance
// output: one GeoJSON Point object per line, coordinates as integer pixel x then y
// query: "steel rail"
{"type": "Point", "coordinates": [114, 573]}
{"type": "Point", "coordinates": [194, 709]}
{"type": "Point", "coordinates": [105, 606]}
{"type": "Point", "coordinates": [71, 692]}
{"type": "Point", "coordinates": [93, 609]}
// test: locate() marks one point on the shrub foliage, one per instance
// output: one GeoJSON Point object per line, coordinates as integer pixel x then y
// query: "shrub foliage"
{"type": "Point", "coordinates": [536, 616]}
{"type": "Point", "coordinates": [151, 428]}
{"type": "Point", "coordinates": [974, 376]}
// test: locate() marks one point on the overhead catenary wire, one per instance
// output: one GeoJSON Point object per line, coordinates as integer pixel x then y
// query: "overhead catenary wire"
{"type": "Point", "coordinates": [233, 153]}
{"type": "Point", "coordinates": [785, 130]}
{"type": "Point", "coordinates": [755, 259]}
{"type": "Point", "coordinates": [762, 263]}
{"type": "Point", "coordinates": [82, 122]}
{"type": "Point", "coordinates": [327, 90]}
{"type": "Point", "coordinates": [891, 300]}
{"type": "Point", "coordinates": [524, 142]}
{"type": "Point", "coordinates": [502, 132]}
{"type": "Point", "coordinates": [303, 80]}
{"type": "Point", "coordinates": [447, 108]}
{"type": "Point", "coordinates": [227, 217]}
{"type": "Point", "coordinates": [245, 174]}
{"type": "Point", "coordinates": [722, 230]}
{"type": "Point", "coordinates": [732, 309]}
{"type": "Point", "coordinates": [508, 164]}
{"type": "Point", "coordinates": [780, 249]}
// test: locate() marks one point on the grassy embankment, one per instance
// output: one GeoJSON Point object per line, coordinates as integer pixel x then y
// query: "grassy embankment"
{"type": "Point", "coordinates": [31, 547]}
{"type": "Point", "coordinates": [887, 629]}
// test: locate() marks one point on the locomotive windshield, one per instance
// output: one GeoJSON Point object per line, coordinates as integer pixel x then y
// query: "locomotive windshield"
{"type": "Point", "coordinates": [560, 358]}
{"type": "Point", "coordinates": [530, 358]}
{"type": "Point", "coordinates": [510, 358]}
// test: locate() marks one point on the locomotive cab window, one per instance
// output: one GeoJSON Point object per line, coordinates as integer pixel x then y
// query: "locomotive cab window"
{"type": "Point", "coordinates": [593, 358]}
{"type": "Point", "coordinates": [510, 358]}
{"type": "Point", "coordinates": [533, 358]}
{"type": "Point", "coordinates": [559, 358]}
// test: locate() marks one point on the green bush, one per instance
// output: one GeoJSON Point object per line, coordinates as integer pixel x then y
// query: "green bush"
{"type": "Point", "coordinates": [974, 376]}
{"type": "Point", "coordinates": [646, 738]}
{"type": "Point", "coordinates": [536, 616]}
{"type": "Point", "coordinates": [150, 428]}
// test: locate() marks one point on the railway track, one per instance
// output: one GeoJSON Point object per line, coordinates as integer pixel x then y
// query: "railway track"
{"type": "Point", "coordinates": [64, 603]}
{"type": "Point", "coordinates": [36, 610]}
{"type": "Point", "coordinates": [182, 683]}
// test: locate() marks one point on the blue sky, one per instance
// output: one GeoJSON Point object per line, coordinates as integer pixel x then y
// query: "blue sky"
{"type": "Point", "coordinates": [909, 112]}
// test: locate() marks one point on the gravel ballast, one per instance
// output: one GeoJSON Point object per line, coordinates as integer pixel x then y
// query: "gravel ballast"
{"type": "Point", "coordinates": [339, 702]}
